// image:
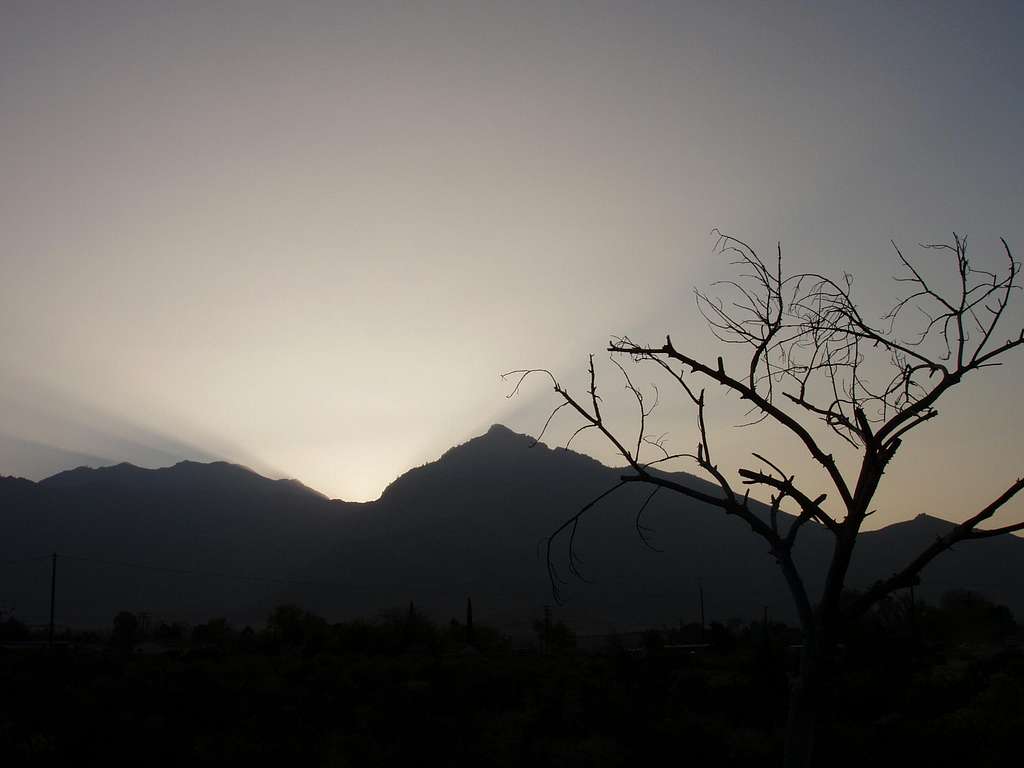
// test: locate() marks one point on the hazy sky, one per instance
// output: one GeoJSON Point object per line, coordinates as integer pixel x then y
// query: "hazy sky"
{"type": "Point", "coordinates": [309, 236]}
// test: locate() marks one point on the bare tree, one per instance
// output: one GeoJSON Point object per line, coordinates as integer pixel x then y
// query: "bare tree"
{"type": "Point", "coordinates": [815, 363]}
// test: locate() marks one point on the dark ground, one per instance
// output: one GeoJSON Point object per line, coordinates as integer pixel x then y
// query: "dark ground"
{"type": "Point", "coordinates": [942, 689]}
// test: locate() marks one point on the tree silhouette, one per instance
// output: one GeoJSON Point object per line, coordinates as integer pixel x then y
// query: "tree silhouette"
{"type": "Point", "coordinates": [126, 630]}
{"type": "Point", "coordinates": [813, 360]}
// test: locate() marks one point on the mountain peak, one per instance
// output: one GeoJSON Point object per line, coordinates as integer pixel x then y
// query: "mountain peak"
{"type": "Point", "coordinates": [498, 437]}
{"type": "Point", "coordinates": [500, 430]}
{"type": "Point", "coordinates": [501, 433]}
{"type": "Point", "coordinates": [83, 475]}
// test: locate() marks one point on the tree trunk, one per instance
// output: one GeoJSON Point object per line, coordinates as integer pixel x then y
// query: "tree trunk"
{"type": "Point", "coordinates": [804, 703]}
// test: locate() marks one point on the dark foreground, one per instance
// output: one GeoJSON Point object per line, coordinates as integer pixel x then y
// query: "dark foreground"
{"type": "Point", "coordinates": [944, 689]}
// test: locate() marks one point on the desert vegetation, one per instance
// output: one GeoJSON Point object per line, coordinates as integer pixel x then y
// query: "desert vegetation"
{"type": "Point", "coordinates": [914, 680]}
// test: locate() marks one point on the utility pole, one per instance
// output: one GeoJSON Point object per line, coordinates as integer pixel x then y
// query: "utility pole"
{"type": "Point", "coordinates": [913, 619]}
{"type": "Point", "coordinates": [700, 589]}
{"type": "Point", "coordinates": [546, 639]}
{"type": "Point", "coordinates": [53, 592]}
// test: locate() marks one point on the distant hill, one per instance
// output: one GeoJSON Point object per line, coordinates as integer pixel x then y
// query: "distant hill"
{"type": "Point", "coordinates": [220, 540]}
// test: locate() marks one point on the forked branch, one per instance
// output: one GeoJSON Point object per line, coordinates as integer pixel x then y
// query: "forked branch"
{"type": "Point", "coordinates": [813, 359]}
{"type": "Point", "coordinates": [965, 531]}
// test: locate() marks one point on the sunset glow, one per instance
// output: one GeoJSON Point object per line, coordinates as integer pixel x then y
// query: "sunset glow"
{"type": "Point", "coordinates": [308, 237]}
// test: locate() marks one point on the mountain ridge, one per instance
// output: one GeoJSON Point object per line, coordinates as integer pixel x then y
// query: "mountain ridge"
{"type": "Point", "coordinates": [472, 522]}
{"type": "Point", "coordinates": [495, 431]}
{"type": "Point", "coordinates": [126, 472]}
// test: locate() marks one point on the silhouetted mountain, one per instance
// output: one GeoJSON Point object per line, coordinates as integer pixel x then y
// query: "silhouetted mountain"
{"type": "Point", "coordinates": [474, 522]}
{"type": "Point", "coordinates": [217, 477]}
{"type": "Point", "coordinates": [208, 518]}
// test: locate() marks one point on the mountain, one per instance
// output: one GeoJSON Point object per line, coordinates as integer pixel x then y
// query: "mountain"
{"type": "Point", "coordinates": [196, 540]}
{"type": "Point", "coordinates": [192, 520]}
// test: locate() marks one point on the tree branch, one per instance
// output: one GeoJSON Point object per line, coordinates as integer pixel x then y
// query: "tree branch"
{"type": "Point", "coordinates": [966, 530]}
{"type": "Point", "coordinates": [719, 375]}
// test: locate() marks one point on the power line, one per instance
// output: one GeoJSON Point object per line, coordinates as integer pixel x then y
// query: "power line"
{"type": "Point", "coordinates": [23, 560]}
{"type": "Point", "coordinates": [214, 574]}
{"type": "Point", "coordinates": [234, 575]}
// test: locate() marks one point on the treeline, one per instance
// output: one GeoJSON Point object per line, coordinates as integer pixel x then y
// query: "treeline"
{"type": "Point", "coordinates": [961, 617]}
{"type": "Point", "coordinates": [916, 684]}
{"type": "Point", "coordinates": [290, 628]}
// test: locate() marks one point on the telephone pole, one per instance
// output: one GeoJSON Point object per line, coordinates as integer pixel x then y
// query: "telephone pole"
{"type": "Point", "coordinates": [545, 642]}
{"type": "Point", "coordinates": [700, 589]}
{"type": "Point", "coordinates": [53, 592]}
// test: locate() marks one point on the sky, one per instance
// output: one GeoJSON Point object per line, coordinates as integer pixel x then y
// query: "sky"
{"type": "Point", "coordinates": [309, 236]}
